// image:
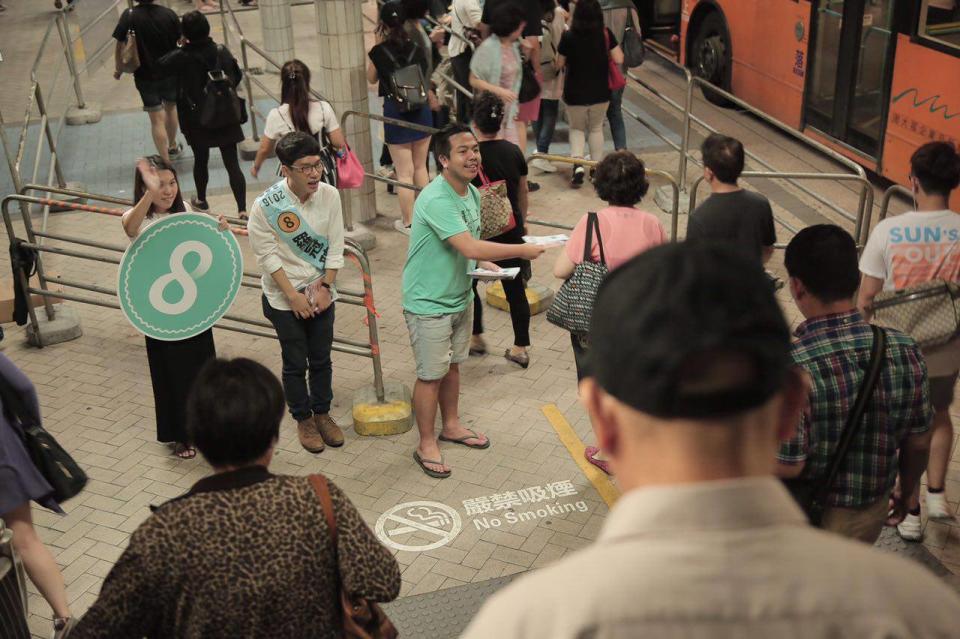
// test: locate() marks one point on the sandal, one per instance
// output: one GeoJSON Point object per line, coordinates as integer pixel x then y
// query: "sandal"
{"type": "Point", "coordinates": [183, 451]}
{"type": "Point", "coordinates": [463, 440]}
{"type": "Point", "coordinates": [243, 216]}
{"type": "Point", "coordinates": [436, 474]}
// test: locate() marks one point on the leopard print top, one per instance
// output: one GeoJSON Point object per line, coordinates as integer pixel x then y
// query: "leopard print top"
{"type": "Point", "coordinates": [250, 560]}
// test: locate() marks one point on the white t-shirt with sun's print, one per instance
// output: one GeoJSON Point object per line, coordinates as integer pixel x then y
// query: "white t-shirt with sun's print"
{"type": "Point", "coordinates": [914, 248]}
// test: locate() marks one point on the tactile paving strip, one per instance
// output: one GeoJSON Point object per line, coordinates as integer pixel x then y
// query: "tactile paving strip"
{"type": "Point", "coordinates": [445, 614]}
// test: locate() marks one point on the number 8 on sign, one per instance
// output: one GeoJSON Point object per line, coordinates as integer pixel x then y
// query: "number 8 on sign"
{"type": "Point", "coordinates": [179, 277]}
{"type": "Point", "coordinates": [179, 274]}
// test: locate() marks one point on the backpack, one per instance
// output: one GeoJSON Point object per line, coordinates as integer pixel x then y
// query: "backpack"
{"type": "Point", "coordinates": [405, 83]}
{"type": "Point", "coordinates": [220, 105]}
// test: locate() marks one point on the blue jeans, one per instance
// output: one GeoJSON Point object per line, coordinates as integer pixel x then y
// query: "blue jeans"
{"type": "Point", "coordinates": [305, 345]}
{"type": "Point", "coordinates": [545, 125]}
{"type": "Point", "coordinates": [618, 130]}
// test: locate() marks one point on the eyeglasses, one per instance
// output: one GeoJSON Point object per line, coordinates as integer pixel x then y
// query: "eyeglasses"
{"type": "Point", "coordinates": [309, 168]}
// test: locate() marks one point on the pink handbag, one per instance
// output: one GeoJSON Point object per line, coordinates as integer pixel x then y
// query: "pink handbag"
{"type": "Point", "coordinates": [349, 171]}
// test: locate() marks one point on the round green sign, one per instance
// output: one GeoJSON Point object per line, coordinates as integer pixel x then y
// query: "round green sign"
{"type": "Point", "coordinates": [179, 277]}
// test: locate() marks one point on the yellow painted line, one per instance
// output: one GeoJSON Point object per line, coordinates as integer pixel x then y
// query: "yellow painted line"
{"type": "Point", "coordinates": [607, 489]}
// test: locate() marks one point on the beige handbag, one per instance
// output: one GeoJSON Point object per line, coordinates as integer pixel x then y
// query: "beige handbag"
{"type": "Point", "coordinates": [496, 214]}
{"type": "Point", "coordinates": [127, 56]}
{"type": "Point", "coordinates": [928, 312]}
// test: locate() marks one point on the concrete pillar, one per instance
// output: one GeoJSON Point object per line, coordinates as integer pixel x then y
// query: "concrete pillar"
{"type": "Point", "coordinates": [341, 77]}
{"type": "Point", "coordinates": [277, 29]}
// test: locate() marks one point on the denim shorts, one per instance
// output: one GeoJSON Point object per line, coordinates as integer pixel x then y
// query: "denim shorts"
{"type": "Point", "coordinates": [156, 93]}
{"type": "Point", "coordinates": [438, 341]}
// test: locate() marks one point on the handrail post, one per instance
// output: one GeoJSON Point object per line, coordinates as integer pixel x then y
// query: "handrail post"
{"type": "Point", "coordinates": [71, 62]}
{"type": "Point", "coordinates": [685, 143]}
{"type": "Point", "coordinates": [51, 142]}
{"type": "Point", "coordinates": [226, 32]}
{"type": "Point", "coordinates": [358, 253]}
{"type": "Point", "coordinates": [247, 82]}
{"type": "Point", "coordinates": [24, 280]}
{"type": "Point", "coordinates": [694, 188]}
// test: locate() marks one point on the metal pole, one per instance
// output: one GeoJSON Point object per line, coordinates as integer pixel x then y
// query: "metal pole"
{"type": "Point", "coordinates": [226, 31]}
{"type": "Point", "coordinates": [246, 79]}
{"type": "Point", "coordinates": [887, 197]}
{"type": "Point", "coordinates": [355, 251]}
{"type": "Point", "coordinates": [71, 62]}
{"type": "Point", "coordinates": [61, 181]}
{"type": "Point", "coordinates": [685, 144]}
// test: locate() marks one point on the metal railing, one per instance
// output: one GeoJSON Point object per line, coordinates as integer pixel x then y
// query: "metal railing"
{"type": "Point", "coordinates": [661, 175]}
{"type": "Point", "coordinates": [861, 218]}
{"type": "Point", "coordinates": [248, 78]}
{"type": "Point", "coordinates": [352, 250]}
{"type": "Point", "coordinates": [896, 189]}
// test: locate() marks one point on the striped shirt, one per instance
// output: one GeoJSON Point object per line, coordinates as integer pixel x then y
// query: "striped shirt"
{"type": "Point", "coordinates": [835, 350]}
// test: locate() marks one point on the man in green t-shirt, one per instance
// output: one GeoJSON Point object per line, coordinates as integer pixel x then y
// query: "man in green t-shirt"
{"type": "Point", "coordinates": [437, 298]}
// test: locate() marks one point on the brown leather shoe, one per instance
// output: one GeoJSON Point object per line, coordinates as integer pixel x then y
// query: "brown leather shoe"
{"type": "Point", "coordinates": [329, 430]}
{"type": "Point", "coordinates": [310, 437]}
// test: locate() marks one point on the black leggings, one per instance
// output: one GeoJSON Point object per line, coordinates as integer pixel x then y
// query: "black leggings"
{"type": "Point", "coordinates": [516, 295]}
{"type": "Point", "coordinates": [201, 157]}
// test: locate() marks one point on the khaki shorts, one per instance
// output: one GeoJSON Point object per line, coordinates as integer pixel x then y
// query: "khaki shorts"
{"type": "Point", "coordinates": [941, 391]}
{"type": "Point", "coordinates": [438, 341]}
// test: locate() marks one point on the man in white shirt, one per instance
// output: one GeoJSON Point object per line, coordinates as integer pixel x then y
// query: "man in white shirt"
{"type": "Point", "coordinates": [910, 249]}
{"type": "Point", "coordinates": [690, 394]}
{"type": "Point", "coordinates": [296, 232]}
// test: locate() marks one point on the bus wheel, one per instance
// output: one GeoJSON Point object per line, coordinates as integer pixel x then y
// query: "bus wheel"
{"type": "Point", "coordinates": [710, 57]}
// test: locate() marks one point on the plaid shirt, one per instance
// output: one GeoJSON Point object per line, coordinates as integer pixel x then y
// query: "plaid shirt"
{"type": "Point", "coordinates": [835, 350]}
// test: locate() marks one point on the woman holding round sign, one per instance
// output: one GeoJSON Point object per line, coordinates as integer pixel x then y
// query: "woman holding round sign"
{"type": "Point", "coordinates": [174, 363]}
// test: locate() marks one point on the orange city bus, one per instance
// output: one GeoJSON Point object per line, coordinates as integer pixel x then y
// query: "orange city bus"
{"type": "Point", "coordinates": [872, 79]}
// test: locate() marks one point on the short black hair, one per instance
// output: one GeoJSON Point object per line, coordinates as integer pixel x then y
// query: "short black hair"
{"type": "Point", "coordinates": [488, 111]}
{"type": "Point", "coordinates": [195, 26]}
{"type": "Point", "coordinates": [621, 179]}
{"type": "Point", "coordinates": [724, 156]}
{"type": "Point", "coordinates": [234, 411]}
{"type": "Point", "coordinates": [505, 18]}
{"type": "Point", "coordinates": [547, 7]}
{"type": "Point", "coordinates": [936, 165]}
{"type": "Point", "coordinates": [441, 139]}
{"type": "Point", "coordinates": [824, 258]}
{"type": "Point", "coordinates": [295, 145]}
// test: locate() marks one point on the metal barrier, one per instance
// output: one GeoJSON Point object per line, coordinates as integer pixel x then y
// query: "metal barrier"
{"type": "Point", "coordinates": [663, 175]}
{"type": "Point", "coordinates": [865, 206]}
{"type": "Point", "coordinates": [353, 251]}
{"type": "Point", "coordinates": [896, 189]}
{"type": "Point", "coordinates": [248, 78]}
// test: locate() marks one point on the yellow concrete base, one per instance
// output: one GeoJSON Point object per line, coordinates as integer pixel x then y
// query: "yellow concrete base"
{"type": "Point", "coordinates": [392, 417]}
{"type": "Point", "coordinates": [539, 296]}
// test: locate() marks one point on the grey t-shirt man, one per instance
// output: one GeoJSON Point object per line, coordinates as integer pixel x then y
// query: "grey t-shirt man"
{"type": "Point", "coordinates": [741, 218]}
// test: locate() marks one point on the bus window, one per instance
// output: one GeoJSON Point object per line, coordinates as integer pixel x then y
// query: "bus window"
{"type": "Point", "coordinates": [940, 21]}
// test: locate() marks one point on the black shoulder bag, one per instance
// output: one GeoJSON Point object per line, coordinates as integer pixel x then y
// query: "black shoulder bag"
{"type": "Point", "coordinates": [812, 494]}
{"type": "Point", "coordinates": [54, 463]}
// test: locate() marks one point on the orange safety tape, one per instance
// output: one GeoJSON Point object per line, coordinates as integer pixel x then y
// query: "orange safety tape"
{"type": "Point", "coordinates": [104, 210]}
{"type": "Point", "coordinates": [367, 292]}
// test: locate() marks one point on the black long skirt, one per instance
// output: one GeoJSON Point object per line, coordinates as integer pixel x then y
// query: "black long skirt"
{"type": "Point", "coordinates": [173, 368]}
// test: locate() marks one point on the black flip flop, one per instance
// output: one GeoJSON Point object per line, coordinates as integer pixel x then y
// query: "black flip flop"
{"type": "Point", "coordinates": [436, 474]}
{"type": "Point", "coordinates": [463, 440]}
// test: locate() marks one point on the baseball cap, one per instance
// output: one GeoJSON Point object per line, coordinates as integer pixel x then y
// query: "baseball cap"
{"type": "Point", "coordinates": [667, 309]}
{"type": "Point", "coordinates": [391, 12]}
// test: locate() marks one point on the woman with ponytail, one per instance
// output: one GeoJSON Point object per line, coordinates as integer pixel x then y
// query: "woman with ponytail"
{"type": "Point", "coordinates": [503, 160]}
{"type": "Point", "coordinates": [300, 111]}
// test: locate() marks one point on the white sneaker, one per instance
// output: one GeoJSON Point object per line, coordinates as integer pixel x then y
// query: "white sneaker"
{"type": "Point", "coordinates": [910, 529]}
{"type": "Point", "coordinates": [399, 226]}
{"type": "Point", "coordinates": [543, 165]}
{"type": "Point", "coordinates": [937, 506]}
{"type": "Point", "coordinates": [387, 172]}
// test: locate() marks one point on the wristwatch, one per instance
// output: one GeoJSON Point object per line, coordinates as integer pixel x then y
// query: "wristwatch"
{"type": "Point", "coordinates": [325, 285]}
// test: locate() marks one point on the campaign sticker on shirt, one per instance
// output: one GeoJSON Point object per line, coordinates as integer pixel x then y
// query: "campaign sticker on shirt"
{"type": "Point", "coordinates": [288, 222]}
{"type": "Point", "coordinates": [179, 277]}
